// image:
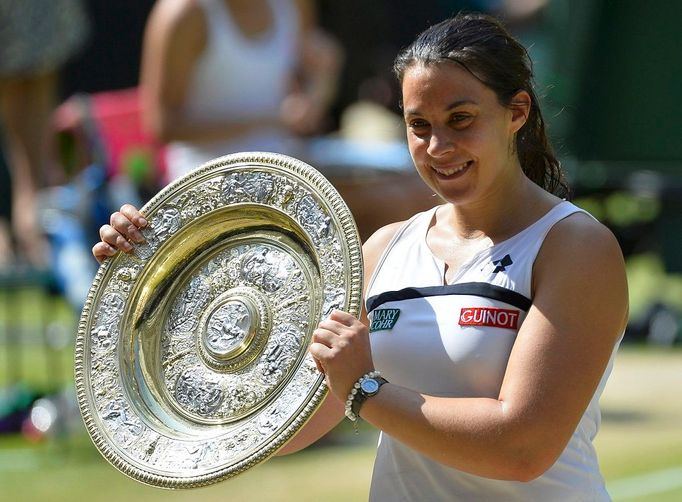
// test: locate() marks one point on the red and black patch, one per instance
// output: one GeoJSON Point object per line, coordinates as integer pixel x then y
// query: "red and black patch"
{"type": "Point", "coordinates": [489, 316]}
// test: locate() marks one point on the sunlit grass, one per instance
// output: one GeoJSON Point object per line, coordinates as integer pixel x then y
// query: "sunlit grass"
{"type": "Point", "coordinates": [71, 469]}
{"type": "Point", "coordinates": [641, 431]}
{"type": "Point", "coordinates": [642, 417]}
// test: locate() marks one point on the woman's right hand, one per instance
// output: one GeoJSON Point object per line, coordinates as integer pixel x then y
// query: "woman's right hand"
{"type": "Point", "coordinates": [123, 228]}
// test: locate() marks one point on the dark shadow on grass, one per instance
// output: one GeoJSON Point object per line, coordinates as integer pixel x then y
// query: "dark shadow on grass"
{"type": "Point", "coordinates": [624, 416]}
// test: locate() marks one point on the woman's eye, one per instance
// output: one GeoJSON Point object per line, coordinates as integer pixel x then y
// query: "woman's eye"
{"type": "Point", "coordinates": [418, 124]}
{"type": "Point", "coordinates": [460, 118]}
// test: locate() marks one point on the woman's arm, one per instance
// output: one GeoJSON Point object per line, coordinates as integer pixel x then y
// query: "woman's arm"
{"type": "Point", "coordinates": [175, 37]}
{"type": "Point", "coordinates": [325, 418]}
{"type": "Point", "coordinates": [319, 67]}
{"type": "Point", "coordinates": [579, 311]}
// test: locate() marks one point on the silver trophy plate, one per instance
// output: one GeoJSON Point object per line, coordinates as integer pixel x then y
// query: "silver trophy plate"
{"type": "Point", "coordinates": [191, 355]}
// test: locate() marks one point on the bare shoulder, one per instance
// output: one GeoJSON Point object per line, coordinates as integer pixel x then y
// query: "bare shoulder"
{"type": "Point", "coordinates": [374, 247]}
{"type": "Point", "coordinates": [177, 17]}
{"type": "Point", "coordinates": [175, 35]}
{"type": "Point", "coordinates": [378, 241]}
{"type": "Point", "coordinates": [579, 238]}
{"type": "Point", "coordinates": [581, 263]}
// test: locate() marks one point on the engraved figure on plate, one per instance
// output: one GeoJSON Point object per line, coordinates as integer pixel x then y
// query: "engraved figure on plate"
{"type": "Point", "coordinates": [313, 219]}
{"type": "Point", "coordinates": [187, 309]}
{"type": "Point", "coordinates": [110, 308]}
{"type": "Point", "coordinates": [281, 352]}
{"type": "Point", "coordinates": [106, 323]}
{"type": "Point", "coordinates": [248, 186]}
{"type": "Point", "coordinates": [167, 222]}
{"type": "Point", "coordinates": [265, 268]}
{"type": "Point", "coordinates": [124, 424]}
{"type": "Point", "coordinates": [196, 393]}
{"type": "Point", "coordinates": [227, 327]}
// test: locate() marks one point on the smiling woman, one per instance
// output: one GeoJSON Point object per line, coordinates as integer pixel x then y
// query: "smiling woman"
{"type": "Point", "coordinates": [459, 134]}
{"type": "Point", "coordinates": [487, 340]}
{"type": "Point", "coordinates": [495, 355]}
{"type": "Point", "coordinates": [502, 66]}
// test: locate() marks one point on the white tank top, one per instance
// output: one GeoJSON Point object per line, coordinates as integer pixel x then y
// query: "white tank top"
{"type": "Point", "coordinates": [454, 340]}
{"type": "Point", "coordinates": [238, 78]}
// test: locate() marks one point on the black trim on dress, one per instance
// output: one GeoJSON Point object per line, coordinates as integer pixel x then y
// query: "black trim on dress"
{"type": "Point", "coordinates": [483, 289]}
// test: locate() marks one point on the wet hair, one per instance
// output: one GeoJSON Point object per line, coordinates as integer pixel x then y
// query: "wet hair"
{"type": "Point", "coordinates": [482, 46]}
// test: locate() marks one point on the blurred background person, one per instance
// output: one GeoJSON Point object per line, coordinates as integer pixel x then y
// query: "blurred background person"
{"type": "Point", "coordinates": [36, 39]}
{"type": "Point", "coordinates": [224, 76]}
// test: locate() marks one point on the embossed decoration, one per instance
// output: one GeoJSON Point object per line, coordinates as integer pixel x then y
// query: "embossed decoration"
{"type": "Point", "coordinates": [191, 355]}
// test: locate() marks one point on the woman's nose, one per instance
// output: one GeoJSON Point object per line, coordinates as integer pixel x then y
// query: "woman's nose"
{"type": "Point", "coordinates": [440, 142]}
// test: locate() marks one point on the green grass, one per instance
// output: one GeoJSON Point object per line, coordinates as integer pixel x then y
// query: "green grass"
{"type": "Point", "coordinates": [641, 433]}
{"type": "Point", "coordinates": [37, 334]}
{"type": "Point", "coordinates": [648, 283]}
{"type": "Point", "coordinates": [330, 474]}
{"type": "Point", "coordinates": [642, 417]}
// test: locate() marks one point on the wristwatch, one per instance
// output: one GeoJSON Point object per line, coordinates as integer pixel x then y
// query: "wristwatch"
{"type": "Point", "coordinates": [369, 386]}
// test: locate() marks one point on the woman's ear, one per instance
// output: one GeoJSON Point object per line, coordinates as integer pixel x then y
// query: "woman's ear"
{"type": "Point", "coordinates": [520, 107]}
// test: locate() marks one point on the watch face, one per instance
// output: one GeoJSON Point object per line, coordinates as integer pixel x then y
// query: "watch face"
{"type": "Point", "coordinates": [369, 385]}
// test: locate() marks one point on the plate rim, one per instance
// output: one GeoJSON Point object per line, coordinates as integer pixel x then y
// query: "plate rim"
{"type": "Point", "coordinates": [349, 234]}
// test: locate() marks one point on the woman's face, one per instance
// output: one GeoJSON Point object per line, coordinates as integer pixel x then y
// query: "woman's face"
{"type": "Point", "coordinates": [460, 136]}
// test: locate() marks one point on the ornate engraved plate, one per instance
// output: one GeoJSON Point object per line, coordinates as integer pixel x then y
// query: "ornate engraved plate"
{"type": "Point", "coordinates": [191, 356]}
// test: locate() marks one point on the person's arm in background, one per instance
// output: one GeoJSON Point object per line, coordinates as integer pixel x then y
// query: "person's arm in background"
{"type": "Point", "coordinates": [175, 36]}
{"type": "Point", "coordinates": [320, 64]}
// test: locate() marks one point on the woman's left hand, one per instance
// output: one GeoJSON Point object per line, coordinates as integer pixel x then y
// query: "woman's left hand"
{"type": "Point", "coordinates": [341, 348]}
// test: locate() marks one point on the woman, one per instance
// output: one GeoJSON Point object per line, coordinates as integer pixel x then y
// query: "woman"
{"type": "Point", "coordinates": [36, 40]}
{"type": "Point", "coordinates": [491, 322]}
{"type": "Point", "coordinates": [223, 76]}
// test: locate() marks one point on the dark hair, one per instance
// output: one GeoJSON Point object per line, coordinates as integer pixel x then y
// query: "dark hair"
{"type": "Point", "coordinates": [481, 45]}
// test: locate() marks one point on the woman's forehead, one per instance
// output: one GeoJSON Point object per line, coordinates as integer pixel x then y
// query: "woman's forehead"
{"type": "Point", "coordinates": [447, 82]}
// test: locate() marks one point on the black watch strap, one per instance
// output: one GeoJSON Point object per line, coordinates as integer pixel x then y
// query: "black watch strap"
{"type": "Point", "coordinates": [362, 396]}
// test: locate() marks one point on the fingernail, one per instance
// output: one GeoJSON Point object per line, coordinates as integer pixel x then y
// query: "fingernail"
{"type": "Point", "coordinates": [127, 246]}
{"type": "Point", "coordinates": [142, 221]}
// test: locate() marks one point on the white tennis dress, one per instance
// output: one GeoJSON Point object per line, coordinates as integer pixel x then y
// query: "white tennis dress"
{"type": "Point", "coordinates": [239, 79]}
{"type": "Point", "coordinates": [454, 340]}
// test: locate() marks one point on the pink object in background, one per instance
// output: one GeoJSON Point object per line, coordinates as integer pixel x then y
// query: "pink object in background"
{"type": "Point", "coordinates": [108, 127]}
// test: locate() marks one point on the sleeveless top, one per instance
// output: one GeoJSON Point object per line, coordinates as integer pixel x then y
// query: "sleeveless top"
{"type": "Point", "coordinates": [454, 340]}
{"type": "Point", "coordinates": [239, 79]}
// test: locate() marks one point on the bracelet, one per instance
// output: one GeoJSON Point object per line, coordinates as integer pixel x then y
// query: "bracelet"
{"type": "Point", "coordinates": [354, 391]}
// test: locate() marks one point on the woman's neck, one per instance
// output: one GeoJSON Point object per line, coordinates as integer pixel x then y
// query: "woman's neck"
{"type": "Point", "coordinates": [253, 17]}
{"type": "Point", "coordinates": [500, 214]}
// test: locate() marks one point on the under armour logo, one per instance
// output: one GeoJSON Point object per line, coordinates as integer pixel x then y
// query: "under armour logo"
{"type": "Point", "coordinates": [500, 265]}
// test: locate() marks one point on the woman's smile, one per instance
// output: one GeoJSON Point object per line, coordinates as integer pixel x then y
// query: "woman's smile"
{"type": "Point", "coordinates": [452, 170]}
{"type": "Point", "coordinates": [458, 132]}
